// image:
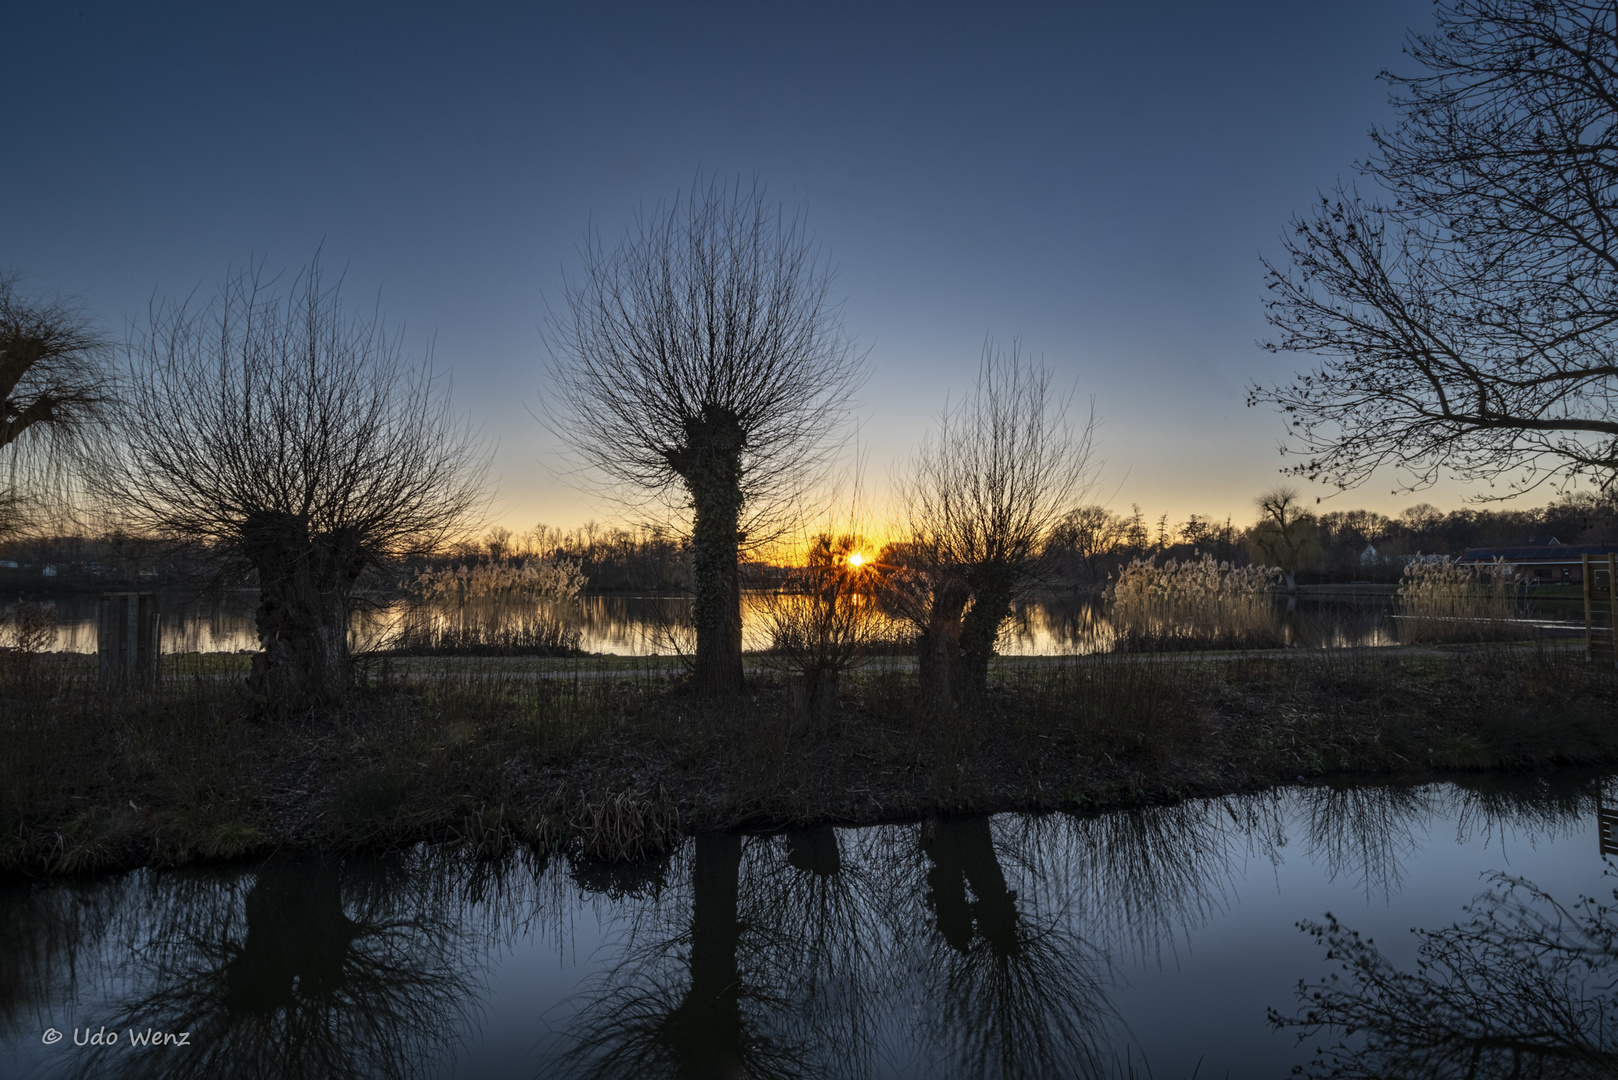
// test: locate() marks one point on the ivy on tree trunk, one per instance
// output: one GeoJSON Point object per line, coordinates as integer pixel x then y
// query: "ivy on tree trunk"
{"type": "Point", "coordinates": [305, 584]}
{"type": "Point", "coordinates": [710, 463]}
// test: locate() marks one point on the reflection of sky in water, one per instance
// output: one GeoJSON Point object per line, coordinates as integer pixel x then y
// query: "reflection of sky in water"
{"type": "Point", "coordinates": [1015, 946]}
{"type": "Point", "coordinates": [1061, 624]}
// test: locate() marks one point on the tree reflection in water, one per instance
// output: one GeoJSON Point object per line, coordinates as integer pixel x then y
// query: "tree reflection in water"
{"type": "Point", "coordinates": [1001, 991]}
{"type": "Point", "coordinates": [1526, 988]}
{"type": "Point", "coordinates": [971, 947]}
{"type": "Point", "coordinates": [49, 942]}
{"type": "Point", "coordinates": [319, 970]}
{"type": "Point", "coordinates": [756, 969]}
{"type": "Point", "coordinates": [786, 956]}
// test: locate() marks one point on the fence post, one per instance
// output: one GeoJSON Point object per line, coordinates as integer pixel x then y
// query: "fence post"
{"type": "Point", "coordinates": [1589, 611]}
{"type": "Point", "coordinates": [1612, 605]}
{"type": "Point", "coordinates": [127, 643]}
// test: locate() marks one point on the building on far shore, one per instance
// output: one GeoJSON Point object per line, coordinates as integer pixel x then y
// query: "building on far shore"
{"type": "Point", "coordinates": [1543, 562]}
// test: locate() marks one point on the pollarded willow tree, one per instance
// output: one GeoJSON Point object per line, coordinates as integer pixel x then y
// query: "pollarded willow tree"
{"type": "Point", "coordinates": [1467, 318]}
{"type": "Point", "coordinates": [985, 495]}
{"type": "Point", "coordinates": [55, 395]}
{"type": "Point", "coordinates": [295, 440]}
{"type": "Point", "coordinates": [703, 361]}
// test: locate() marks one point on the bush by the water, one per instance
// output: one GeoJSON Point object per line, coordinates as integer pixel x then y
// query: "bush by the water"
{"type": "Point", "coordinates": [493, 608]}
{"type": "Point", "coordinates": [1193, 604]}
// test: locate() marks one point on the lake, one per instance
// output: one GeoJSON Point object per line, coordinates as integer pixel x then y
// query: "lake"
{"type": "Point", "coordinates": [1014, 945]}
{"type": "Point", "coordinates": [1050, 624]}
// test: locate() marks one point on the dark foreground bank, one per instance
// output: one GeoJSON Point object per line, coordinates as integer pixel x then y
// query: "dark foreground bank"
{"type": "Point", "coordinates": [616, 764]}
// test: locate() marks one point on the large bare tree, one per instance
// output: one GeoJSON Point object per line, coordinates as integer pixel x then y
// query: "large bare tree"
{"type": "Point", "coordinates": [1285, 533]}
{"type": "Point", "coordinates": [984, 495]}
{"type": "Point", "coordinates": [1467, 316]}
{"type": "Point", "coordinates": [54, 395]}
{"type": "Point", "coordinates": [703, 360]}
{"type": "Point", "coordinates": [294, 439]}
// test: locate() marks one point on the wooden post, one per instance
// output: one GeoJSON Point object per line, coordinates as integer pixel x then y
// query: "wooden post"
{"type": "Point", "coordinates": [1589, 612]}
{"type": "Point", "coordinates": [1612, 605]}
{"type": "Point", "coordinates": [127, 643]}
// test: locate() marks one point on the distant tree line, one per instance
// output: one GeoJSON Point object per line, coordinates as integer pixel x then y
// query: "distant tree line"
{"type": "Point", "coordinates": [1092, 543]}
{"type": "Point", "coordinates": [613, 559]}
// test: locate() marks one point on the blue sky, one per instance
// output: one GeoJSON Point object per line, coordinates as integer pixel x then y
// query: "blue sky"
{"type": "Point", "coordinates": [1098, 179]}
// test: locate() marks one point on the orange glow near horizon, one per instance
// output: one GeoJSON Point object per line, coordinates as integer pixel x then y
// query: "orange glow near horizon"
{"type": "Point", "coordinates": [856, 560]}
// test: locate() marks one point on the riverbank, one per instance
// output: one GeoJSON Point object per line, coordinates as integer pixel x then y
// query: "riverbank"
{"type": "Point", "coordinates": [488, 756]}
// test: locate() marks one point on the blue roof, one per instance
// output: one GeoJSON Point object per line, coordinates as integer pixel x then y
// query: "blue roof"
{"type": "Point", "coordinates": [1540, 553]}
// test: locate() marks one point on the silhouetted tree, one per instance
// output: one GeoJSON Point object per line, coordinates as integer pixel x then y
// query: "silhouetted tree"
{"type": "Point", "coordinates": [54, 393]}
{"type": "Point", "coordinates": [703, 358]}
{"type": "Point", "coordinates": [986, 492]}
{"type": "Point", "coordinates": [295, 440]}
{"type": "Point", "coordinates": [1285, 534]}
{"type": "Point", "coordinates": [1466, 317]}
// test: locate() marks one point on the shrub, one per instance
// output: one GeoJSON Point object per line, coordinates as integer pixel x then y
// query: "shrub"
{"type": "Point", "coordinates": [25, 634]}
{"type": "Point", "coordinates": [822, 623]}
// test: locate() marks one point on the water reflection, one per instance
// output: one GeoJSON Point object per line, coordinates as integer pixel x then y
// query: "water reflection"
{"type": "Point", "coordinates": [967, 946]}
{"type": "Point", "coordinates": [1527, 987]}
{"type": "Point", "coordinates": [301, 969]}
{"type": "Point", "coordinates": [1048, 624]}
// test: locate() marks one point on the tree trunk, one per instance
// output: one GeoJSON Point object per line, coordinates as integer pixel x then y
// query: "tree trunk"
{"type": "Point", "coordinates": [710, 464]}
{"type": "Point", "coordinates": [980, 628]}
{"type": "Point", "coordinates": [939, 662]}
{"type": "Point", "coordinates": [966, 888]}
{"type": "Point", "coordinates": [705, 1032]}
{"type": "Point", "coordinates": [304, 587]}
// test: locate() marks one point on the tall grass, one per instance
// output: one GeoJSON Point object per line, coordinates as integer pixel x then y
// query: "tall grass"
{"type": "Point", "coordinates": [1193, 604]}
{"type": "Point", "coordinates": [1144, 707]}
{"type": "Point", "coordinates": [492, 609]}
{"type": "Point", "coordinates": [1440, 599]}
{"type": "Point", "coordinates": [25, 632]}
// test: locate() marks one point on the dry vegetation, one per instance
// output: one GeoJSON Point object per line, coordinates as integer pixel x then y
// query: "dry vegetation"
{"type": "Point", "coordinates": [614, 765]}
{"type": "Point", "coordinates": [1193, 604]}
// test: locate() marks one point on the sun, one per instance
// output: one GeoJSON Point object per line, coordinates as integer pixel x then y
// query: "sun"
{"type": "Point", "coordinates": [856, 560]}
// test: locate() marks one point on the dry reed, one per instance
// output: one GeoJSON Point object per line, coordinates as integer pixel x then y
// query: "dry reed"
{"type": "Point", "coordinates": [1193, 604]}
{"type": "Point", "coordinates": [1441, 599]}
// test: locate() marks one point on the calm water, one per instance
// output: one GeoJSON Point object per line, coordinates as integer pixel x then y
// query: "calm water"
{"type": "Point", "coordinates": [969, 947]}
{"type": "Point", "coordinates": [644, 625]}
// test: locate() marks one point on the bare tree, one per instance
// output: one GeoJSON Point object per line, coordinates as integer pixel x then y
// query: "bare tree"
{"type": "Point", "coordinates": [984, 495]}
{"type": "Point", "coordinates": [294, 439]}
{"type": "Point", "coordinates": [703, 361]}
{"type": "Point", "coordinates": [1090, 534]}
{"type": "Point", "coordinates": [1468, 319]}
{"type": "Point", "coordinates": [1285, 534]}
{"type": "Point", "coordinates": [54, 394]}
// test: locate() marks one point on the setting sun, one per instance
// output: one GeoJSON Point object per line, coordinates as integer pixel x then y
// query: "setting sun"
{"type": "Point", "coordinates": [856, 560]}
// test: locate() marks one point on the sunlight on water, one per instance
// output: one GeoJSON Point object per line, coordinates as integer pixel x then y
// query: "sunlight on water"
{"type": "Point", "coordinates": [1049, 625]}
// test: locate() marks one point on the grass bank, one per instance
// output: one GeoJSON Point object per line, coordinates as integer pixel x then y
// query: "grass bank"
{"type": "Point", "coordinates": [614, 762]}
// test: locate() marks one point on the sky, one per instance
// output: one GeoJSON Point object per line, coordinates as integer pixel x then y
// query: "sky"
{"type": "Point", "coordinates": [1097, 180]}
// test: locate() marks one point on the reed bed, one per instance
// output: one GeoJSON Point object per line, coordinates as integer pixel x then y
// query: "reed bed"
{"type": "Point", "coordinates": [1193, 604]}
{"type": "Point", "coordinates": [1440, 599]}
{"type": "Point", "coordinates": [491, 609]}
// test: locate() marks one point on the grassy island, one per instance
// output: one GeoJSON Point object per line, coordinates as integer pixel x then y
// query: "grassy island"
{"type": "Point", "coordinates": [614, 759]}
